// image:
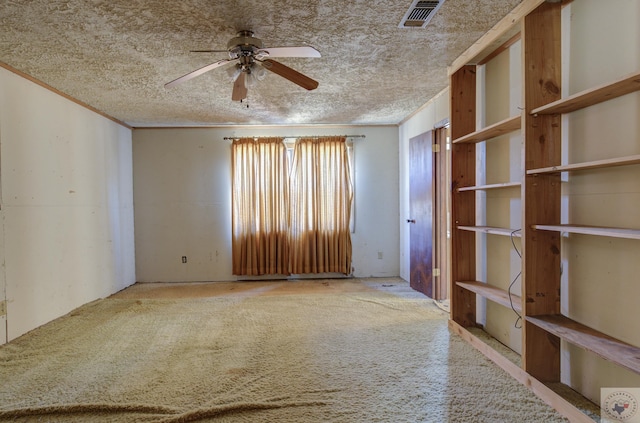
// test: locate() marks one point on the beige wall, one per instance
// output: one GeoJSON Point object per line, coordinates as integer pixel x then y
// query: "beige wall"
{"type": "Point", "coordinates": [600, 279]}
{"type": "Point", "coordinates": [500, 161]}
{"type": "Point", "coordinates": [182, 188]}
{"type": "Point", "coordinates": [67, 205]}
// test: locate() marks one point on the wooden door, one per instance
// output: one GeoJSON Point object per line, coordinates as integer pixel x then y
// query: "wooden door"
{"type": "Point", "coordinates": [421, 210]}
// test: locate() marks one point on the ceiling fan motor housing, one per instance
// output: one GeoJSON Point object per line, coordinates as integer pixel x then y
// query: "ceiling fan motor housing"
{"type": "Point", "coordinates": [244, 41]}
{"type": "Point", "coordinates": [243, 47]}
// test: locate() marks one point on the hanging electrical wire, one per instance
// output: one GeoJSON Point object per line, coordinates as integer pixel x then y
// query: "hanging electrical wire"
{"type": "Point", "coordinates": [519, 319]}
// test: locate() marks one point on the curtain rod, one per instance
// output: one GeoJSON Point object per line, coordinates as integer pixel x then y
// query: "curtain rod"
{"type": "Point", "coordinates": [299, 136]}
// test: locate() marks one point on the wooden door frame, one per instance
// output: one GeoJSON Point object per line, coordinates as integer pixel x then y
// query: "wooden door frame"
{"type": "Point", "coordinates": [441, 204]}
{"type": "Point", "coordinates": [4, 325]}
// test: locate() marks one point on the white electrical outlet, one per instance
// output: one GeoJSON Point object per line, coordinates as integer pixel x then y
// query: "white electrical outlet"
{"type": "Point", "coordinates": [379, 255]}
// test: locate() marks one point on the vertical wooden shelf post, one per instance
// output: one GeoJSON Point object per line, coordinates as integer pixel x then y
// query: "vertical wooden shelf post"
{"type": "Point", "coordinates": [463, 204]}
{"type": "Point", "coordinates": [541, 194]}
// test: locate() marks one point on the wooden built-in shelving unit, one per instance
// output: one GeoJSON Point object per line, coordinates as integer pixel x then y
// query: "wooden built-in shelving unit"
{"type": "Point", "coordinates": [497, 129]}
{"type": "Point", "coordinates": [492, 230]}
{"type": "Point", "coordinates": [596, 164]}
{"type": "Point", "coordinates": [591, 97]}
{"type": "Point", "coordinates": [592, 230]}
{"type": "Point", "coordinates": [491, 186]}
{"type": "Point", "coordinates": [539, 23]}
{"type": "Point", "coordinates": [492, 293]}
{"type": "Point", "coordinates": [599, 343]}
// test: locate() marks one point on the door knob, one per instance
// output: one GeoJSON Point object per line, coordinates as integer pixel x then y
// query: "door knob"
{"type": "Point", "coordinates": [411, 221]}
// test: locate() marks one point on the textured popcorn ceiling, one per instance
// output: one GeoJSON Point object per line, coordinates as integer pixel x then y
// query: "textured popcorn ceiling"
{"type": "Point", "coordinates": [115, 55]}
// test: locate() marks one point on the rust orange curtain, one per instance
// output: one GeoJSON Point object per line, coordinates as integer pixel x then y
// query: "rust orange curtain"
{"type": "Point", "coordinates": [260, 218]}
{"type": "Point", "coordinates": [320, 196]}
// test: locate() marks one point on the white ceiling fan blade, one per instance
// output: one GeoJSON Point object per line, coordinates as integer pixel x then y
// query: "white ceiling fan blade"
{"type": "Point", "coordinates": [301, 51]}
{"type": "Point", "coordinates": [197, 72]}
{"type": "Point", "coordinates": [240, 88]}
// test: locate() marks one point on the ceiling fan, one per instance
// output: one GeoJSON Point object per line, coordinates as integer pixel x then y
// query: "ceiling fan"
{"type": "Point", "coordinates": [252, 59]}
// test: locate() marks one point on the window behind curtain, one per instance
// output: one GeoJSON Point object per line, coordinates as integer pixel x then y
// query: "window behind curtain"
{"type": "Point", "coordinates": [260, 218]}
{"type": "Point", "coordinates": [321, 197]}
{"type": "Point", "coordinates": [291, 217]}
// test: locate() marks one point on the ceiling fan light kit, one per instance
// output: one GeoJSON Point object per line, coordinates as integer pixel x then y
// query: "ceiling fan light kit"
{"type": "Point", "coordinates": [252, 60]}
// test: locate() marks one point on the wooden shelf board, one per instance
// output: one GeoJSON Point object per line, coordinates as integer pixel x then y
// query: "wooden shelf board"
{"type": "Point", "coordinates": [620, 161]}
{"type": "Point", "coordinates": [541, 390]}
{"type": "Point", "coordinates": [591, 340]}
{"type": "Point", "coordinates": [500, 128]}
{"type": "Point", "coordinates": [490, 186]}
{"type": "Point", "coordinates": [492, 293]}
{"type": "Point", "coordinates": [592, 230]}
{"type": "Point", "coordinates": [491, 230]}
{"type": "Point", "coordinates": [622, 86]}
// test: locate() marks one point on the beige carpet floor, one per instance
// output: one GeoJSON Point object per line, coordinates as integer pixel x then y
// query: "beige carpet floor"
{"type": "Point", "coordinates": [372, 351]}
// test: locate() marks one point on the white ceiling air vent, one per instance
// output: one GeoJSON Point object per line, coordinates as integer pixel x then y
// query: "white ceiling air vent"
{"type": "Point", "coordinates": [420, 13]}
